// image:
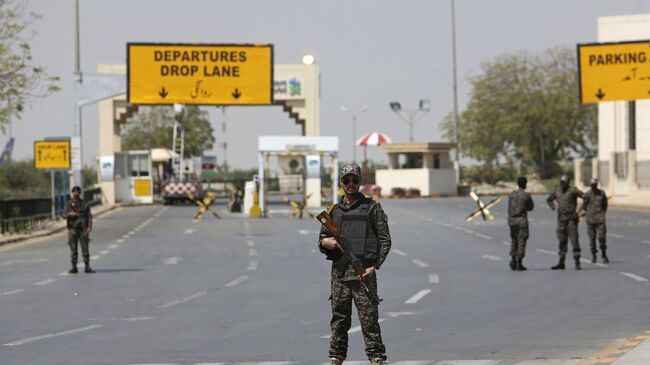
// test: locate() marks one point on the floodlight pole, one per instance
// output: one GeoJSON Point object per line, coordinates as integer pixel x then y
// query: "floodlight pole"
{"type": "Point", "coordinates": [455, 82]}
{"type": "Point", "coordinates": [410, 116]}
{"type": "Point", "coordinates": [354, 130]}
{"type": "Point", "coordinates": [77, 175]}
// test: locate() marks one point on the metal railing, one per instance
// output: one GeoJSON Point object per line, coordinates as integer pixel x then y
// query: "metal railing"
{"type": "Point", "coordinates": [19, 215]}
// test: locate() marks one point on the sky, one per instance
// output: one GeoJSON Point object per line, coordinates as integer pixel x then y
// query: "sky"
{"type": "Point", "coordinates": [370, 52]}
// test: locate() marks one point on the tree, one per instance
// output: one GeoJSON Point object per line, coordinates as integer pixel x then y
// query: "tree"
{"type": "Point", "coordinates": [525, 108]}
{"type": "Point", "coordinates": [19, 78]}
{"type": "Point", "coordinates": [153, 128]}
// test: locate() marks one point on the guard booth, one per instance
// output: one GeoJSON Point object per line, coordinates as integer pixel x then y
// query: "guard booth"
{"type": "Point", "coordinates": [314, 153]}
{"type": "Point", "coordinates": [132, 177]}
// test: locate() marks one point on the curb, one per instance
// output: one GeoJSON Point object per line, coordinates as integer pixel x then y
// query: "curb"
{"type": "Point", "coordinates": [49, 231]}
{"type": "Point", "coordinates": [613, 352]}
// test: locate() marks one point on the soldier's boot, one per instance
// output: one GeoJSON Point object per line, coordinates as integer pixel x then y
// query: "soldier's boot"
{"type": "Point", "coordinates": [336, 361]}
{"type": "Point", "coordinates": [520, 265]}
{"type": "Point", "coordinates": [605, 258]}
{"type": "Point", "coordinates": [594, 258]}
{"type": "Point", "coordinates": [560, 265]}
{"type": "Point", "coordinates": [88, 269]}
{"type": "Point", "coordinates": [513, 264]}
{"type": "Point", "coordinates": [377, 361]}
{"type": "Point", "coordinates": [73, 269]}
{"type": "Point", "coordinates": [577, 260]}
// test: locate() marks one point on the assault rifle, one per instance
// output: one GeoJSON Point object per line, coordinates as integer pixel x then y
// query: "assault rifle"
{"type": "Point", "coordinates": [327, 222]}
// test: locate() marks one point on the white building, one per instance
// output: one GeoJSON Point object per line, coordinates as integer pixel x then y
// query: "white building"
{"type": "Point", "coordinates": [624, 172]}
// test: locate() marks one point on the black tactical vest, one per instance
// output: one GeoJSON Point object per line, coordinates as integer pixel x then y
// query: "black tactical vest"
{"type": "Point", "coordinates": [357, 230]}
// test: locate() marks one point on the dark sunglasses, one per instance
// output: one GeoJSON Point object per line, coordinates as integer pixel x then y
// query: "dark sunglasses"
{"type": "Point", "coordinates": [347, 181]}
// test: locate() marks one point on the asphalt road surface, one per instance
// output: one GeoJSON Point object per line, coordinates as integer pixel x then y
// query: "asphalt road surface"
{"type": "Point", "coordinates": [170, 290]}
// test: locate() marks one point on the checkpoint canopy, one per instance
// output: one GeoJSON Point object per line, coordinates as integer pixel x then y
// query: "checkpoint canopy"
{"type": "Point", "coordinates": [312, 148]}
{"type": "Point", "coordinates": [614, 71]}
{"type": "Point", "coordinates": [200, 74]}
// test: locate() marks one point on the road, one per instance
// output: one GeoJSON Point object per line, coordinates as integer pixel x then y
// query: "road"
{"type": "Point", "coordinates": [170, 290]}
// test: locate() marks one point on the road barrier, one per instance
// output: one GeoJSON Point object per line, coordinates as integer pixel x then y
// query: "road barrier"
{"type": "Point", "coordinates": [19, 215]}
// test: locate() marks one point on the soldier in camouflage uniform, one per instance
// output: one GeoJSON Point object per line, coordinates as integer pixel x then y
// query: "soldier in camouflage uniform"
{"type": "Point", "coordinates": [520, 203]}
{"type": "Point", "coordinates": [80, 224]}
{"type": "Point", "coordinates": [595, 205]}
{"type": "Point", "coordinates": [364, 225]}
{"type": "Point", "coordinates": [565, 200]}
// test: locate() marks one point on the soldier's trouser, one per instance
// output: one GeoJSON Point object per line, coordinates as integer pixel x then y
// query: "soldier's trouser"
{"type": "Point", "coordinates": [518, 236]}
{"type": "Point", "coordinates": [77, 235]}
{"type": "Point", "coordinates": [567, 229]}
{"type": "Point", "coordinates": [343, 292]}
{"type": "Point", "coordinates": [597, 230]}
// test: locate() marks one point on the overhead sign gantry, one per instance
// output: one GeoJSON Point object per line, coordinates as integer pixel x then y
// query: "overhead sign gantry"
{"type": "Point", "coordinates": [200, 74]}
{"type": "Point", "coordinates": [614, 71]}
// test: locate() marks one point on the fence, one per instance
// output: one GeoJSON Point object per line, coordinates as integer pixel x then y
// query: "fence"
{"type": "Point", "coordinates": [24, 215]}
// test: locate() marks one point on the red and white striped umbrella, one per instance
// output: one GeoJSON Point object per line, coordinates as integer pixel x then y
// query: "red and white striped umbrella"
{"type": "Point", "coordinates": [373, 139]}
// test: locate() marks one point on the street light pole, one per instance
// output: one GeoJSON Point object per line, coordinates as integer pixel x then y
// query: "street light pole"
{"type": "Point", "coordinates": [354, 129]}
{"type": "Point", "coordinates": [455, 82]}
{"type": "Point", "coordinates": [411, 116]}
{"type": "Point", "coordinates": [77, 175]}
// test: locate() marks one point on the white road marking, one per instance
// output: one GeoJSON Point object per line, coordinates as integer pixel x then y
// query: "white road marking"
{"type": "Point", "coordinates": [252, 265]}
{"type": "Point", "coordinates": [237, 281]}
{"type": "Point", "coordinates": [354, 330]}
{"type": "Point", "coordinates": [306, 232]}
{"type": "Point", "coordinates": [399, 314]}
{"type": "Point", "coordinates": [635, 277]}
{"type": "Point", "coordinates": [65, 273]}
{"type": "Point", "coordinates": [253, 252]}
{"type": "Point", "coordinates": [419, 295]}
{"type": "Point", "coordinates": [420, 263]}
{"type": "Point", "coordinates": [103, 252]}
{"type": "Point", "coordinates": [467, 230]}
{"type": "Point", "coordinates": [411, 363]}
{"type": "Point", "coordinates": [135, 319]}
{"type": "Point", "coordinates": [172, 261]}
{"type": "Point", "coordinates": [182, 300]}
{"type": "Point", "coordinates": [506, 243]}
{"type": "Point", "coordinates": [120, 240]}
{"type": "Point", "coordinates": [21, 261]}
{"type": "Point", "coordinates": [646, 241]}
{"type": "Point", "coordinates": [131, 233]}
{"type": "Point", "coordinates": [12, 292]}
{"type": "Point", "coordinates": [95, 257]}
{"type": "Point", "coordinates": [190, 231]}
{"type": "Point", "coordinates": [126, 236]}
{"type": "Point", "coordinates": [468, 362]}
{"type": "Point", "coordinates": [615, 235]}
{"type": "Point", "coordinates": [250, 242]}
{"type": "Point", "coordinates": [45, 282]}
{"type": "Point", "coordinates": [546, 252]}
{"type": "Point", "coordinates": [64, 333]}
{"type": "Point", "coordinates": [483, 236]}
{"type": "Point", "coordinates": [550, 362]}
{"type": "Point", "coordinates": [585, 261]}
{"type": "Point", "coordinates": [401, 253]}
{"type": "Point", "coordinates": [492, 258]}
{"type": "Point", "coordinates": [113, 246]}
{"type": "Point", "coordinates": [434, 279]}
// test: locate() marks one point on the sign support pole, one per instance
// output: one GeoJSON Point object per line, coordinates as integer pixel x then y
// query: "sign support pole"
{"type": "Point", "coordinates": [631, 120]}
{"type": "Point", "coordinates": [52, 193]}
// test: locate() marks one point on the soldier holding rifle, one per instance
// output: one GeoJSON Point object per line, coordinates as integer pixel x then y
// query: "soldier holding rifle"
{"type": "Point", "coordinates": [357, 249]}
{"type": "Point", "coordinates": [80, 224]}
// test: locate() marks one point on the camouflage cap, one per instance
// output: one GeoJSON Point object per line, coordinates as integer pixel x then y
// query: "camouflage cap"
{"type": "Point", "coordinates": [593, 181]}
{"type": "Point", "coordinates": [565, 178]}
{"type": "Point", "coordinates": [350, 168]}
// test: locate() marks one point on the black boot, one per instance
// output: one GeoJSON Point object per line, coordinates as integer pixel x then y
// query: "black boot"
{"type": "Point", "coordinates": [73, 269]}
{"type": "Point", "coordinates": [605, 258]}
{"type": "Point", "coordinates": [520, 265]}
{"type": "Point", "coordinates": [560, 265]}
{"type": "Point", "coordinates": [513, 264]}
{"type": "Point", "coordinates": [594, 258]}
{"type": "Point", "coordinates": [88, 269]}
{"type": "Point", "coordinates": [577, 259]}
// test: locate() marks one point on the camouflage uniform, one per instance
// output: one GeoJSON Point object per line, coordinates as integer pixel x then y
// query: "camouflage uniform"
{"type": "Point", "coordinates": [567, 218]}
{"type": "Point", "coordinates": [76, 229]}
{"type": "Point", "coordinates": [595, 205]}
{"type": "Point", "coordinates": [345, 286]}
{"type": "Point", "coordinates": [520, 203]}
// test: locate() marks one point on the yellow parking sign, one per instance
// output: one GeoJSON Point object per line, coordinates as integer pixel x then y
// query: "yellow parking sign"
{"type": "Point", "coordinates": [52, 154]}
{"type": "Point", "coordinates": [201, 74]}
{"type": "Point", "coordinates": [614, 71]}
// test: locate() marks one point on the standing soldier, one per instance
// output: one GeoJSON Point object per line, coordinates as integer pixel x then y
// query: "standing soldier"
{"type": "Point", "coordinates": [520, 203]}
{"type": "Point", "coordinates": [565, 200]}
{"type": "Point", "coordinates": [80, 224]}
{"type": "Point", "coordinates": [595, 206]}
{"type": "Point", "coordinates": [364, 224]}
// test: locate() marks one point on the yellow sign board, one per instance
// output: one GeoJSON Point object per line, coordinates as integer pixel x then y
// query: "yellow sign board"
{"type": "Point", "coordinates": [142, 187]}
{"type": "Point", "coordinates": [52, 154]}
{"type": "Point", "coordinates": [614, 71]}
{"type": "Point", "coordinates": [201, 74]}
